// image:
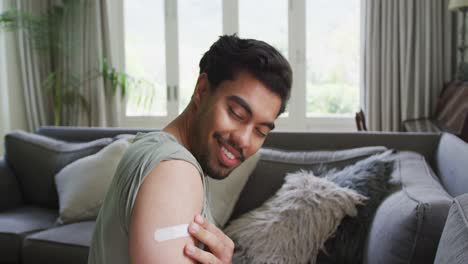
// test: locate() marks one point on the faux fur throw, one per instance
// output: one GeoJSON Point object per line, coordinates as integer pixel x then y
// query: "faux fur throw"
{"type": "Point", "coordinates": [293, 225]}
{"type": "Point", "coordinates": [370, 177]}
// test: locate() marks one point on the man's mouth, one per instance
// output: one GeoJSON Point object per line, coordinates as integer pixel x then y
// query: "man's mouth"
{"type": "Point", "coordinates": [228, 155]}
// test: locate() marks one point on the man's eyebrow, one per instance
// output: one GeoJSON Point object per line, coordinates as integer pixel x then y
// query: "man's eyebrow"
{"type": "Point", "coordinates": [240, 102]}
{"type": "Point", "coordinates": [247, 108]}
{"type": "Point", "coordinates": [271, 126]}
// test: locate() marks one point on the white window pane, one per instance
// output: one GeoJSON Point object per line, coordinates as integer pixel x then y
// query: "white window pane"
{"type": "Point", "coordinates": [265, 20]}
{"type": "Point", "coordinates": [200, 24]}
{"type": "Point", "coordinates": [145, 57]}
{"type": "Point", "coordinates": [332, 57]}
{"type": "Point", "coordinates": [266, 24]}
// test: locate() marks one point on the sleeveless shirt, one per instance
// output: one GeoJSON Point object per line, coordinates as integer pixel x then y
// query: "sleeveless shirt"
{"type": "Point", "coordinates": [110, 238]}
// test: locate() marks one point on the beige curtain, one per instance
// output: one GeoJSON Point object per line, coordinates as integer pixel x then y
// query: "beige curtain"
{"type": "Point", "coordinates": [408, 55]}
{"type": "Point", "coordinates": [87, 31]}
{"type": "Point", "coordinates": [34, 67]}
{"type": "Point", "coordinates": [95, 34]}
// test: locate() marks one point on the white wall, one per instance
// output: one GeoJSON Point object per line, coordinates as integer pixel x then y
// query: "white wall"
{"type": "Point", "coordinates": [12, 114]}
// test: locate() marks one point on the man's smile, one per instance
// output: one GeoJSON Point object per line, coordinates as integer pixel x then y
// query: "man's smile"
{"type": "Point", "coordinates": [228, 155]}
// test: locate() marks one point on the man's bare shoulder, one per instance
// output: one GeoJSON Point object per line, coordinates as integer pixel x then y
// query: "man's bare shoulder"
{"type": "Point", "coordinates": [171, 194]}
{"type": "Point", "coordinates": [177, 175]}
{"type": "Point", "coordinates": [172, 182]}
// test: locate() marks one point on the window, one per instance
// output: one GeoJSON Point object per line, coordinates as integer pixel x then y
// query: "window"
{"type": "Point", "coordinates": [267, 24]}
{"type": "Point", "coordinates": [200, 24]}
{"type": "Point", "coordinates": [332, 60]}
{"type": "Point", "coordinates": [165, 40]}
{"type": "Point", "coordinates": [145, 57]}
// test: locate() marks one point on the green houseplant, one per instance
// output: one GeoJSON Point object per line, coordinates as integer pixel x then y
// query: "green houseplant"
{"type": "Point", "coordinates": [47, 35]}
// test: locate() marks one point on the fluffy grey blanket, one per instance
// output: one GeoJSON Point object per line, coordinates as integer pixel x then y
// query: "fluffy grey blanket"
{"type": "Point", "coordinates": [294, 224]}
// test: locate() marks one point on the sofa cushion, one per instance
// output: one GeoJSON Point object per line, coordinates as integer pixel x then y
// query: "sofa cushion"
{"type": "Point", "coordinates": [16, 223]}
{"type": "Point", "coordinates": [451, 164]}
{"type": "Point", "coordinates": [82, 184]}
{"type": "Point", "coordinates": [453, 245]}
{"type": "Point", "coordinates": [35, 160]}
{"type": "Point", "coordinates": [65, 244]}
{"type": "Point", "coordinates": [274, 164]}
{"type": "Point", "coordinates": [408, 224]}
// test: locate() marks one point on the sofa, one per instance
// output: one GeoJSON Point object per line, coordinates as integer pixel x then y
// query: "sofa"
{"type": "Point", "coordinates": [406, 228]}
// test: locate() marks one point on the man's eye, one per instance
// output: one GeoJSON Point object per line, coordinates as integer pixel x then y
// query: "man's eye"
{"type": "Point", "coordinates": [262, 134]}
{"type": "Point", "coordinates": [236, 115]}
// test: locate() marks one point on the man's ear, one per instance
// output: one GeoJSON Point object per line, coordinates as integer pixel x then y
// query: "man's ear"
{"type": "Point", "coordinates": [202, 89]}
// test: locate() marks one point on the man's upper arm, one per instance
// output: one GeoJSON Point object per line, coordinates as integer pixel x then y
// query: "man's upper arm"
{"type": "Point", "coordinates": [170, 195]}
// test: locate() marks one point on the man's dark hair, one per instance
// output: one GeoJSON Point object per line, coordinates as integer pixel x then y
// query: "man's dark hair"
{"type": "Point", "coordinates": [231, 55]}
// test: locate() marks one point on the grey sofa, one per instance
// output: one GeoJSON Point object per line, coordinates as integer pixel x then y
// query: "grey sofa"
{"type": "Point", "coordinates": [407, 226]}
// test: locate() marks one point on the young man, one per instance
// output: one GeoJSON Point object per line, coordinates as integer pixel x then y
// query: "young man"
{"type": "Point", "coordinates": [159, 185]}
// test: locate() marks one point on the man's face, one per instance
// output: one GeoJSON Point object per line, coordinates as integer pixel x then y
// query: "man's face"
{"type": "Point", "coordinates": [231, 122]}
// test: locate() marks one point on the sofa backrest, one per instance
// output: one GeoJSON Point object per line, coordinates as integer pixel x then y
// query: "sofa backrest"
{"type": "Point", "coordinates": [35, 159]}
{"type": "Point", "coordinates": [451, 164]}
{"type": "Point", "coordinates": [423, 143]}
{"type": "Point", "coordinates": [84, 134]}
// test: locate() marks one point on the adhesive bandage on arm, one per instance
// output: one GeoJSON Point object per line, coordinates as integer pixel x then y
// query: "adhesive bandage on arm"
{"type": "Point", "coordinates": [171, 232]}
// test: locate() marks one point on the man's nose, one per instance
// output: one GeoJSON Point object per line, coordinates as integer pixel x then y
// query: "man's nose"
{"type": "Point", "coordinates": [243, 137]}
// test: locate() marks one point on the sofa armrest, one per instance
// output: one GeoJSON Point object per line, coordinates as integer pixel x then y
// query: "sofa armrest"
{"type": "Point", "coordinates": [10, 194]}
{"type": "Point", "coordinates": [408, 224]}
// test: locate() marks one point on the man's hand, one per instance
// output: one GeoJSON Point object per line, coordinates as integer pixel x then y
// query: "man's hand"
{"type": "Point", "coordinates": [220, 246]}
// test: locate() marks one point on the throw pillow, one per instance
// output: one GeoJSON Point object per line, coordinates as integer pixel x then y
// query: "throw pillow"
{"type": "Point", "coordinates": [369, 177]}
{"type": "Point", "coordinates": [294, 224]}
{"type": "Point", "coordinates": [274, 164]}
{"type": "Point", "coordinates": [453, 245]}
{"type": "Point", "coordinates": [223, 194]}
{"type": "Point", "coordinates": [35, 160]}
{"type": "Point", "coordinates": [82, 185]}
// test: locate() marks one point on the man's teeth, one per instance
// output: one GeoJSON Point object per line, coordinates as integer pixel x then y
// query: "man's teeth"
{"type": "Point", "coordinates": [227, 153]}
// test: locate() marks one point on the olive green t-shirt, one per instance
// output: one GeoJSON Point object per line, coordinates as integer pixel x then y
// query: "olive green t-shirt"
{"type": "Point", "coordinates": [110, 239]}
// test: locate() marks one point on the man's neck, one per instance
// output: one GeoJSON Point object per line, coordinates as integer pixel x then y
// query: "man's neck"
{"type": "Point", "coordinates": [179, 128]}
